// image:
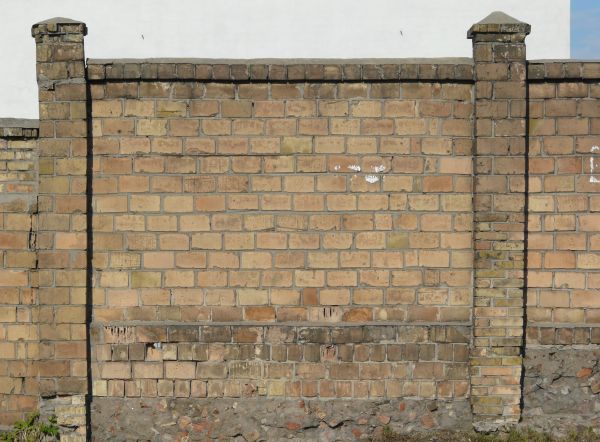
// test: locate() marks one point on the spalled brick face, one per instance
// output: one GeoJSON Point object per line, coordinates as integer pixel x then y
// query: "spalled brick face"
{"type": "Point", "coordinates": [564, 224]}
{"type": "Point", "coordinates": [18, 315]}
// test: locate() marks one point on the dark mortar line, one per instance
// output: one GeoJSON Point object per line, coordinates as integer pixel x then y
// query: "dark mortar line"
{"type": "Point", "coordinates": [561, 80]}
{"type": "Point", "coordinates": [474, 155]}
{"type": "Point", "coordinates": [300, 81]}
{"type": "Point", "coordinates": [525, 250]}
{"type": "Point", "coordinates": [89, 272]}
{"type": "Point", "coordinates": [558, 347]}
{"type": "Point", "coordinates": [277, 324]}
{"type": "Point", "coordinates": [563, 325]}
{"type": "Point", "coordinates": [18, 138]}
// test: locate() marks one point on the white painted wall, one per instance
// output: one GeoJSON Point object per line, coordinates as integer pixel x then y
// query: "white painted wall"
{"type": "Point", "coordinates": [264, 28]}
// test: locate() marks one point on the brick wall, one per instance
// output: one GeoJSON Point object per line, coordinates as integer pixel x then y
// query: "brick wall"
{"type": "Point", "coordinates": [258, 203]}
{"type": "Point", "coordinates": [299, 233]}
{"type": "Point", "coordinates": [563, 249]}
{"type": "Point", "coordinates": [18, 315]}
{"type": "Point", "coordinates": [282, 202]}
{"type": "Point", "coordinates": [563, 239]}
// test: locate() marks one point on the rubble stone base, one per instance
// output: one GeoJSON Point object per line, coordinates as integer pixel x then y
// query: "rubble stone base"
{"type": "Point", "coordinates": [156, 419]}
{"type": "Point", "coordinates": [562, 388]}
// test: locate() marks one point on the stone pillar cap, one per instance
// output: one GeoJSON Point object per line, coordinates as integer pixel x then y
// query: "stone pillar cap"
{"type": "Point", "coordinates": [60, 25]}
{"type": "Point", "coordinates": [499, 23]}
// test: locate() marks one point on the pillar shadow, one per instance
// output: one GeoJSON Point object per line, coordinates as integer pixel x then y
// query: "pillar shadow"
{"type": "Point", "coordinates": [89, 257]}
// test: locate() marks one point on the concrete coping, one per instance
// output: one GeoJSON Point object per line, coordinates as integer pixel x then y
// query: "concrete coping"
{"type": "Point", "coordinates": [408, 69]}
{"type": "Point", "coordinates": [429, 69]}
{"type": "Point", "coordinates": [19, 128]}
{"type": "Point", "coordinates": [59, 21]}
{"type": "Point", "coordinates": [563, 70]}
{"type": "Point", "coordinates": [58, 25]}
{"type": "Point", "coordinates": [499, 22]}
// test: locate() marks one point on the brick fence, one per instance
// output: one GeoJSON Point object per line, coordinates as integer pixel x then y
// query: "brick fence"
{"type": "Point", "coordinates": [303, 248]}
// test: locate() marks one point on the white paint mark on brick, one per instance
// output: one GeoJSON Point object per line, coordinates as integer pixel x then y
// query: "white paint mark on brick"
{"type": "Point", "coordinates": [371, 178]}
{"type": "Point", "coordinates": [593, 179]}
{"type": "Point", "coordinates": [354, 167]}
{"type": "Point", "coordinates": [378, 169]}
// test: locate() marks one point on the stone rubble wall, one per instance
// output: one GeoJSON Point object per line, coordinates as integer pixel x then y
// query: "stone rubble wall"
{"type": "Point", "coordinates": [271, 419]}
{"type": "Point", "coordinates": [561, 387]}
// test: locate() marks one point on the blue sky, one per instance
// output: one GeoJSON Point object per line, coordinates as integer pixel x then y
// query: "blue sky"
{"type": "Point", "coordinates": [585, 29]}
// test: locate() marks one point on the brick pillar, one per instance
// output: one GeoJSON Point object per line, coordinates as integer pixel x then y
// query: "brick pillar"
{"type": "Point", "coordinates": [62, 222]}
{"type": "Point", "coordinates": [499, 201]}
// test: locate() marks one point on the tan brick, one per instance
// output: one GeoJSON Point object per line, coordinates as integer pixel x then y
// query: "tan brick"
{"type": "Point", "coordinates": [180, 370]}
{"type": "Point", "coordinates": [115, 370]}
{"type": "Point", "coordinates": [300, 108]}
{"type": "Point", "coordinates": [370, 240]}
{"type": "Point", "coordinates": [399, 108]}
{"type": "Point", "coordinates": [151, 127]}
{"type": "Point", "coordinates": [333, 108]}
{"type": "Point", "coordinates": [272, 109]}
{"type": "Point", "coordinates": [256, 260]}
{"type": "Point", "coordinates": [252, 297]}
{"type": "Point", "coordinates": [588, 260]}
{"type": "Point", "coordinates": [168, 108]}
{"type": "Point", "coordinates": [216, 127]}
{"type": "Point", "coordinates": [139, 108]}
{"type": "Point", "coordinates": [296, 145]}
{"type": "Point", "coordinates": [334, 296]}
{"type": "Point", "coordinates": [236, 108]}
{"type": "Point", "coordinates": [287, 90]}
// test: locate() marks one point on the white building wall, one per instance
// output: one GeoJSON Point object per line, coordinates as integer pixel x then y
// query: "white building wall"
{"type": "Point", "coordinates": [264, 29]}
